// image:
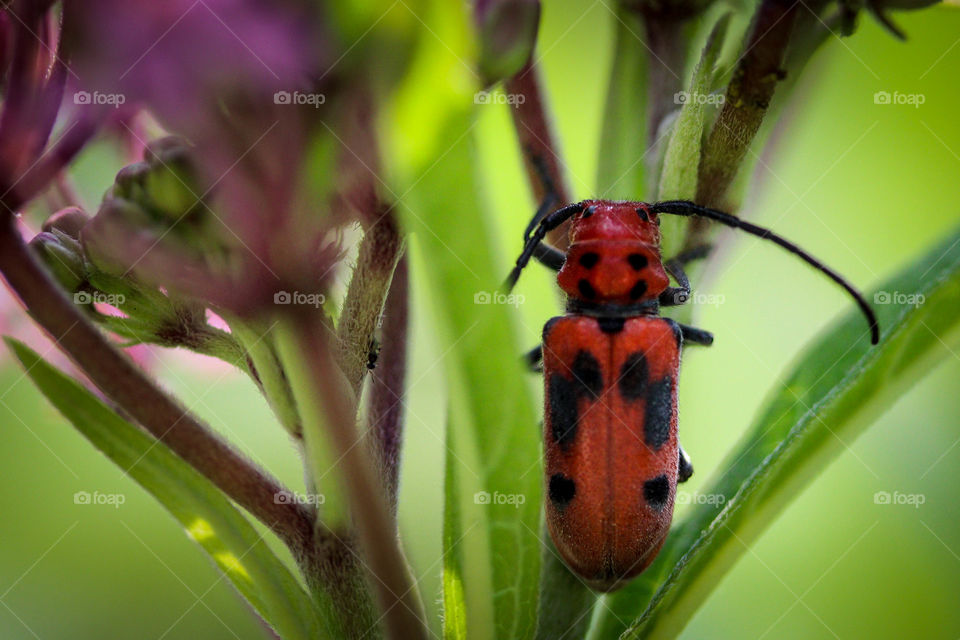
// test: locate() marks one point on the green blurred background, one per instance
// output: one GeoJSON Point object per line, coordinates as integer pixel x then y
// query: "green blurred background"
{"type": "Point", "coordinates": [866, 187]}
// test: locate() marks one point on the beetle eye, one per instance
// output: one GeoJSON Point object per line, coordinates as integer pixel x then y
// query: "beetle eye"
{"type": "Point", "coordinates": [642, 212]}
{"type": "Point", "coordinates": [588, 212]}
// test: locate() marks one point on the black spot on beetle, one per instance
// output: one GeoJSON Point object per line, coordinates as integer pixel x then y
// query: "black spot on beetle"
{"type": "Point", "coordinates": [588, 212]}
{"type": "Point", "coordinates": [643, 214]}
{"type": "Point", "coordinates": [656, 492]}
{"type": "Point", "coordinates": [586, 289]}
{"type": "Point", "coordinates": [589, 259]}
{"type": "Point", "coordinates": [659, 411]}
{"type": "Point", "coordinates": [562, 402]}
{"type": "Point", "coordinates": [586, 374]}
{"type": "Point", "coordinates": [638, 290]}
{"type": "Point", "coordinates": [562, 490]}
{"type": "Point", "coordinates": [633, 376]}
{"type": "Point", "coordinates": [611, 324]}
{"type": "Point", "coordinates": [637, 261]}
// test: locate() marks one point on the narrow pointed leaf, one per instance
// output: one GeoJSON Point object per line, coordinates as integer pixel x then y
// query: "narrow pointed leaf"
{"type": "Point", "coordinates": [209, 518]}
{"type": "Point", "coordinates": [492, 429]}
{"type": "Point", "coordinates": [454, 608]}
{"type": "Point", "coordinates": [837, 388]}
{"type": "Point", "coordinates": [493, 440]}
{"type": "Point", "coordinates": [622, 162]}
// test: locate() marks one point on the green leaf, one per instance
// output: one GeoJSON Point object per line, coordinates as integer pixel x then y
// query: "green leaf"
{"type": "Point", "coordinates": [454, 606]}
{"type": "Point", "coordinates": [492, 435]}
{"type": "Point", "coordinates": [623, 138]}
{"type": "Point", "coordinates": [319, 450]}
{"type": "Point", "coordinates": [837, 388]}
{"type": "Point", "coordinates": [259, 345]}
{"type": "Point", "coordinates": [209, 518]}
{"type": "Point", "coordinates": [492, 430]}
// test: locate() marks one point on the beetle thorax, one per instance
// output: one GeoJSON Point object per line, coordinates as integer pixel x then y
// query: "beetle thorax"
{"type": "Point", "coordinates": [614, 255]}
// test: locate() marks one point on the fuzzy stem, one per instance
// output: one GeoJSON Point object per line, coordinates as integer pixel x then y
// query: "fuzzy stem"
{"type": "Point", "coordinates": [566, 602]}
{"type": "Point", "coordinates": [14, 193]}
{"type": "Point", "coordinates": [403, 617]}
{"type": "Point", "coordinates": [379, 252]}
{"type": "Point", "coordinates": [747, 99]}
{"type": "Point", "coordinates": [388, 379]}
{"type": "Point", "coordinates": [538, 142]}
{"type": "Point", "coordinates": [335, 575]}
{"type": "Point", "coordinates": [666, 37]}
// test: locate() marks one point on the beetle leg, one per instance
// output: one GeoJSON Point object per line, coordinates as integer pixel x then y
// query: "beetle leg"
{"type": "Point", "coordinates": [547, 223]}
{"type": "Point", "coordinates": [546, 255]}
{"type": "Point", "coordinates": [685, 469]}
{"type": "Point", "coordinates": [534, 359]}
{"type": "Point", "coordinates": [692, 335]}
{"type": "Point", "coordinates": [550, 257]}
{"type": "Point", "coordinates": [678, 295]}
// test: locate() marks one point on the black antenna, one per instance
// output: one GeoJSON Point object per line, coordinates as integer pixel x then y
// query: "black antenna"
{"type": "Point", "coordinates": [532, 240]}
{"type": "Point", "coordinates": [687, 208]}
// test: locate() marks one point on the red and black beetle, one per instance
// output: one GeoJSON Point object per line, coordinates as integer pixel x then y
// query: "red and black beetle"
{"type": "Point", "coordinates": [610, 365]}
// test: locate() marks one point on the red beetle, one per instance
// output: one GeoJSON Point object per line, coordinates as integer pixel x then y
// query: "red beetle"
{"type": "Point", "coordinates": [610, 365]}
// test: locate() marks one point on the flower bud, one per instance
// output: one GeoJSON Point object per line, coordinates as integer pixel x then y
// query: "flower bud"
{"type": "Point", "coordinates": [129, 183]}
{"type": "Point", "coordinates": [166, 149]}
{"type": "Point", "coordinates": [171, 190]}
{"type": "Point", "coordinates": [507, 32]}
{"type": "Point", "coordinates": [172, 184]}
{"type": "Point", "coordinates": [107, 235]}
{"type": "Point", "coordinates": [68, 221]}
{"type": "Point", "coordinates": [63, 257]}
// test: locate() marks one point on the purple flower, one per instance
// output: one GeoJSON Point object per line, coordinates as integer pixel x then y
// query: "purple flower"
{"type": "Point", "coordinates": [180, 57]}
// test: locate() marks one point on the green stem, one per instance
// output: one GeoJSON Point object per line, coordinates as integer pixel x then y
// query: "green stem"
{"type": "Point", "coordinates": [264, 367]}
{"type": "Point", "coordinates": [124, 383]}
{"type": "Point", "coordinates": [566, 603]}
{"type": "Point", "coordinates": [748, 97]}
{"type": "Point", "coordinates": [385, 415]}
{"type": "Point", "coordinates": [379, 252]}
{"type": "Point", "coordinates": [328, 412]}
